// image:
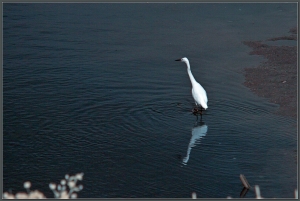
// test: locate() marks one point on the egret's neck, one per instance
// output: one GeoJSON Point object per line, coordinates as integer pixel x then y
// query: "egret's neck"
{"type": "Point", "coordinates": [193, 81]}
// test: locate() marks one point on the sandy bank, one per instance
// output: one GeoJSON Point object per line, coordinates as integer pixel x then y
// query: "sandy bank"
{"type": "Point", "coordinates": [275, 78]}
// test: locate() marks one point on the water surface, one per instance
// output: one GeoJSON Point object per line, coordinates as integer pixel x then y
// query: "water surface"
{"type": "Point", "coordinates": [94, 88]}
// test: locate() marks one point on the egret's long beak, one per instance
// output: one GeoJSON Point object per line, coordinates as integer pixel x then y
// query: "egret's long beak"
{"type": "Point", "coordinates": [178, 60]}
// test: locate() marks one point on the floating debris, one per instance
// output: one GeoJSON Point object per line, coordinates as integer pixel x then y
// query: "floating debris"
{"type": "Point", "coordinates": [244, 181]}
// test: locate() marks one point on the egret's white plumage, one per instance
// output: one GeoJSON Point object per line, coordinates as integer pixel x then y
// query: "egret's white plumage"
{"type": "Point", "coordinates": [198, 92]}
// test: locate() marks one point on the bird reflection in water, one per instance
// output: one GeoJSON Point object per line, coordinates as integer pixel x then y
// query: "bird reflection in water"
{"type": "Point", "coordinates": [199, 131]}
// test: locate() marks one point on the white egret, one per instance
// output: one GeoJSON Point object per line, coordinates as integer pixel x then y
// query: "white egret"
{"type": "Point", "coordinates": [198, 92]}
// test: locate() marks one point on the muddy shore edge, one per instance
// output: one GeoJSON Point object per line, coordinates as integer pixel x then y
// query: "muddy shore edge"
{"type": "Point", "coordinates": [275, 78]}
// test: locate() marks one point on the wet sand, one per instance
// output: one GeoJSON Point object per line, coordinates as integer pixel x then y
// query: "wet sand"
{"type": "Point", "coordinates": [275, 78]}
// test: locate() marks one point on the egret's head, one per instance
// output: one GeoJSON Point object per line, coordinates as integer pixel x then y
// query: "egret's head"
{"type": "Point", "coordinates": [184, 59]}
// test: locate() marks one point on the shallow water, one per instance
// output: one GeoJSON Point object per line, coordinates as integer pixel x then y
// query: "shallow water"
{"type": "Point", "coordinates": [94, 88]}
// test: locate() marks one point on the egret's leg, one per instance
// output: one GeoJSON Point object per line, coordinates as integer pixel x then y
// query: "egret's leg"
{"type": "Point", "coordinates": [196, 109]}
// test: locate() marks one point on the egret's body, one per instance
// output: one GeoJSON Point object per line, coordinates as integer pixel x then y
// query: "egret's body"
{"type": "Point", "coordinates": [198, 92]}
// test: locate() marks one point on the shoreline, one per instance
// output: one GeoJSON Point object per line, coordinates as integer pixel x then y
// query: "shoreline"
{"type": "Point", "coordinates": [276, 77]}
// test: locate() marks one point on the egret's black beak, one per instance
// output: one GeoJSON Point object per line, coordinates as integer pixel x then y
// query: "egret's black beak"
{"type": "Point", "coordinates": [178, 60]}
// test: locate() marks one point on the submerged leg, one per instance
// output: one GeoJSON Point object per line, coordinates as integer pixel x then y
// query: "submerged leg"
{"type": "Point", "coordinates": [201, 112]}
{"type": "Point", "coordinates": [195, 110]}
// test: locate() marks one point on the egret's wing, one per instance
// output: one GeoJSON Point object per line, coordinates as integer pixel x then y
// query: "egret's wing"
{"type": "Point", "coordinates": [199, 94]}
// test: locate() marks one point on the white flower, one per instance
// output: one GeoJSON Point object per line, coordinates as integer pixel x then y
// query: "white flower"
{"type": "Point", "coordinates": [52, 186]}
{"type": "Point", "coordinates": [79, 176]}
{"type": "Point", "coordinates": [36, 195]}
{"type": "Point", "coordinates": [6, 195]}
{"type": "Point", "coordinates": [71, 184]}
{"type": "Point", "coordinates": [21, 195]}
{"type": "Point", "coordinates": [27, 185]}
{"type": "Point", "coordinates": [64, 195]}
{"type": "Point", "coordinates": [63, 182]}
{"type": "Point", "coordinates": [74, 195]}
